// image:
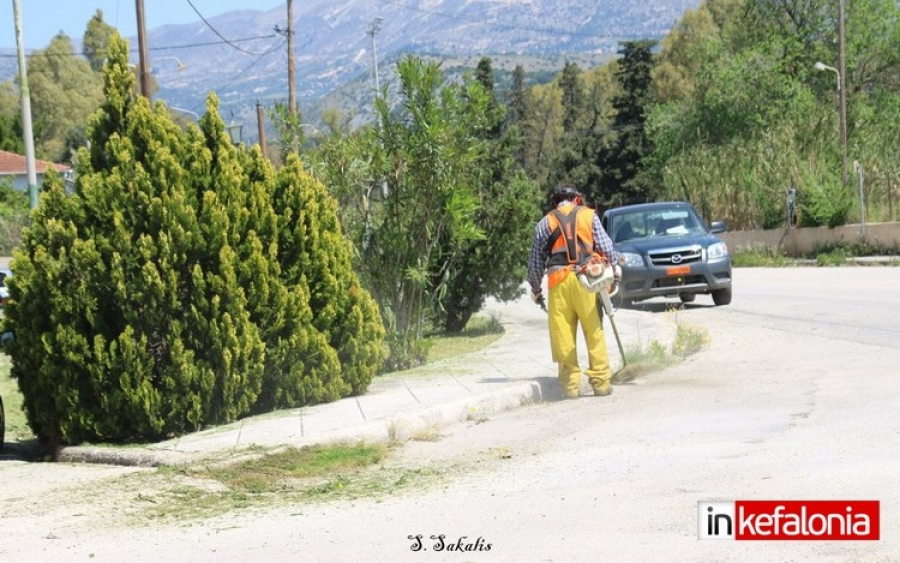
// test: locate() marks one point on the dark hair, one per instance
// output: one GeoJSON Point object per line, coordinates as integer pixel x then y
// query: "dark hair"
{"type": "Point", "coordinates": [564, 192]}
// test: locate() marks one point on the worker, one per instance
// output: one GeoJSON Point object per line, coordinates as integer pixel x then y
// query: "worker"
{"type": "Point", "coordinates": [565, 240]}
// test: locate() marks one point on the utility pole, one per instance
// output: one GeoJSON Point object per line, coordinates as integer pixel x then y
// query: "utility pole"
{"type": "Point", "coordinates": [292, 81]}
{"type": "Point", "coordinates": [842, 93]}
{"type": "Point", "coordinates": [261, 124]}
{"type": "Point", "coordinates": [373, 31]}
{"type": "Point", "coordinates": [144, 62]}
{"type": "Point", "coordinates": [27, 132]}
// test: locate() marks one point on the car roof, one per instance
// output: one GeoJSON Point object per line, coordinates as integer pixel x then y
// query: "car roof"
{"type": "Point", "coordinates": [649, 207]}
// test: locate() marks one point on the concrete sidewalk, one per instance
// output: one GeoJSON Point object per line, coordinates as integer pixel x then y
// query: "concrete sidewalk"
{"type": "Point", "coordinates": [514, 371]}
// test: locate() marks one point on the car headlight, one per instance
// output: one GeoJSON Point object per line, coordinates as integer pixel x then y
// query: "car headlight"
{"type": "Point", "coordinates": [717, 251]}
{"type": "Point", "coordinates": [632, 260]}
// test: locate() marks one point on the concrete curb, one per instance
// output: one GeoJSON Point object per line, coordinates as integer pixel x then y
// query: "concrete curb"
{"type": "Point", "coordinates": [853, 261]}
{"type": "Point", "coordinates": [401, 427]}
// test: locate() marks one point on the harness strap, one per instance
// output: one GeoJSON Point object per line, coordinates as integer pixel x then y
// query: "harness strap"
{"type": "Point", "coordinates": [576, 249]}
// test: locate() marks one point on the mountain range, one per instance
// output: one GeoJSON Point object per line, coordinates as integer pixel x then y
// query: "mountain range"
{"type": "Point", "coordinates": [242, 55]}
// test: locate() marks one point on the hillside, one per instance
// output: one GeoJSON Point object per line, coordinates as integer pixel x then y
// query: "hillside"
{"type": "Point", "coordinates": [334, 47]}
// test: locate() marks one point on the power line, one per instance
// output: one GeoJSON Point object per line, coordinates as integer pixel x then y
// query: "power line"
{"type": "Point", "coordinates": [241, 72]}
{"type": "Point", "coordinates": [216, 31]}
{"type": "Point", "coordinates": [167, 48]}
{"type": "Point", "coordinates": [210, 43]}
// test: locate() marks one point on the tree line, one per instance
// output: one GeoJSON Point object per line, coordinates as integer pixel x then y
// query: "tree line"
{"type": "Point", "coordinates": [727, 111]}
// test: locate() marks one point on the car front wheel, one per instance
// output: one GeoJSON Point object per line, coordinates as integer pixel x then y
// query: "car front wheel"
{"type": "Point", "coordinates": [722, 296]}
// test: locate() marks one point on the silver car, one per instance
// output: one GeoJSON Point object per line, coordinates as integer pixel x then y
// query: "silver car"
{"type": "Point", "coordinates": [669, 251]}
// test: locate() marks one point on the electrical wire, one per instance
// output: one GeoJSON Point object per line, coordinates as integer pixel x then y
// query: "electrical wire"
{"type": "Point", "coordinates": [221, 87]}
{"type": "Point", "coordinates": [210, 43]}
{"type": "Point", "coordinates": [166, 48]}
{"type": "Point", "coordinates": [216, 31]}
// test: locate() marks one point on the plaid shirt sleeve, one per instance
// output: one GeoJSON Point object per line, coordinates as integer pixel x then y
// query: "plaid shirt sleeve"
{"type": "Point", "coordinates": [539, 254]}
{"type": "Point", "coordinates": [602, 243]}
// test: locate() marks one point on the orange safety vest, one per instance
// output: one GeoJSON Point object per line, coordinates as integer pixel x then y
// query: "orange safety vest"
{"type": "Point", "coordinates": [571, 241]}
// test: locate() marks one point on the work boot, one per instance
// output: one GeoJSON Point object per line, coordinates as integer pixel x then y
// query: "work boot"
{"type": "Point", "coordinates": [603, 391]}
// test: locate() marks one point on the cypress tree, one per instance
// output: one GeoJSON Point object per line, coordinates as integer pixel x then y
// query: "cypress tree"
{"type": "Point", "coordinates": [316, 257]}
{"type": "Point", "coordinates": [129, 318]}
{"type": "Point", "coordinates": [183, 284]}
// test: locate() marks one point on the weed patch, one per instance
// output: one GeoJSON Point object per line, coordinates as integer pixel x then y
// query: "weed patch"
{"type": "Point", "coordinates": [759, 256]}
{"type": "Point", "coordinates": [835, 257]}
{"type": "Point", "coordinates": [645, 359]}
{"type": "Point", "coordinates": [689, 340]}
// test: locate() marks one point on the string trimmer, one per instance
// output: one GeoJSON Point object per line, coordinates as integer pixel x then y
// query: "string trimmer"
{"type": "Point", "coordinates": [599, 277]}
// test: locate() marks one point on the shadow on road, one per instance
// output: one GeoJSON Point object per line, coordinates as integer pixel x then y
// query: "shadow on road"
{"type": "Point", "coordinates": [665, 306]}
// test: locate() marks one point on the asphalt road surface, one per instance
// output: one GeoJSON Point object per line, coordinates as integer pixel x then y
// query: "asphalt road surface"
{"type": "Point", "coordinates": [795, 398]}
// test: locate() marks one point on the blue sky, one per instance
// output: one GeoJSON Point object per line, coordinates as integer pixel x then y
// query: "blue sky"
{"type": "Point", "coordinates": [42, 19]}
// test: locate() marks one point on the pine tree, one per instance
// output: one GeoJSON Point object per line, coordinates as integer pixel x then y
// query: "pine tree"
{"type": "Point", "coordinates": [623, 162]}
{"type": "Point", "coordinates": [517, 106]}
{"type": "Point", "coordinates": [570, 85]}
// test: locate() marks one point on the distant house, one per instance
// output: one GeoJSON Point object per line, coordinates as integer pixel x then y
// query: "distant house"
{"type": "Point", "coordinates": [13, 168]}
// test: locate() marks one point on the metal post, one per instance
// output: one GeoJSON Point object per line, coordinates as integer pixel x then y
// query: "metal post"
{"type": "Point", "coordinates": [842, 113]}
{"type": "Point", "coordinates": [842, 90]}
{"type": "Point", "coordinates": [373, 31]}
{"type": "Point", "coordinates": [187, 111]}
{"type": "Point", "coordinates": [791, 208]}
{"type": "Point", "coordinates": [144, 62]}
{"type": "Point", "coordinates": [862, 200]}
{"type": "Point", "coordinates": [27, 131]}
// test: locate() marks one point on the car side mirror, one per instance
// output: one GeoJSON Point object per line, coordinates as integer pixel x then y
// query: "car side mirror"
{"type": "Point", "coordinates": [717, 227]}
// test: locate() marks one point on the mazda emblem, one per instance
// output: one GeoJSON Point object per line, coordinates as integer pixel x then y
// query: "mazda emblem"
{"type": "Point", "coordinates": [676, 258]}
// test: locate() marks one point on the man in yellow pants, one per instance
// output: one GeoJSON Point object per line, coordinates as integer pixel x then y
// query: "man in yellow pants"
{"type": "Point", "coordinates": [567, 238]}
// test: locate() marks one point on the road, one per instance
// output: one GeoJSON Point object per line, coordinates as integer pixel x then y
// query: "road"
{"type": "Point", "coordinates": [794, 398]}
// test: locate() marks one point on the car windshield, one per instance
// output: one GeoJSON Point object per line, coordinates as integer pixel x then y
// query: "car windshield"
{"type": "Point", "coordinates": [655, 222]}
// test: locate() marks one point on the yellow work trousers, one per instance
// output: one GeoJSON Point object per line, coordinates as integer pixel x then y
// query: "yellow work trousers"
{"type": "Point", "coordinates": [569, 304]}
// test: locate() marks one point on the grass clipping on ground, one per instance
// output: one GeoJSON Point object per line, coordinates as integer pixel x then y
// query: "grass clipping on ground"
{"type": "Point", "coordinates": [653, 356]}
{"type": "Point", "coordinates": [280, 477]}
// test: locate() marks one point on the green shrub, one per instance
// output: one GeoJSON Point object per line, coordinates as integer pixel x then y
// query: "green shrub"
{"type": "Point", "coordinates": [759, 256]}
{"type": "Point", "coordinates": [405, 354]}
{"type": "Point", "coordinates": [165, 294]}
{"type": "Point", "coordinates": [837, 256]}
{"type": "Point", "coordinates": [825, 204]}
{"type": "Point", "coordinates": [314, 256]}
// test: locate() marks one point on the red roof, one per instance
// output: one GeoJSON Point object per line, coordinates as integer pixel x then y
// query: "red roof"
{"type": "Point", "coordinates": [14, 164]}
